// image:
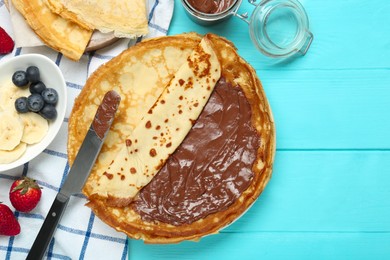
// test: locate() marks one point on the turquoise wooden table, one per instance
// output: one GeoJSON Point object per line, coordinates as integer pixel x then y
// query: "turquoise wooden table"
{"type": "Point", "coordinates": [329, 197]}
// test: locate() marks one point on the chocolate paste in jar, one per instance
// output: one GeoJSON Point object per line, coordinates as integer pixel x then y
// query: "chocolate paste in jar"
{"type": "Point", "coordinates": [210, 6]}
{"type": "Point", "coordinates": [211, 168]}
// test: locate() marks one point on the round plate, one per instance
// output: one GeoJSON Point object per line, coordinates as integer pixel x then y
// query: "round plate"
{"type": "Point", "coordinates": [100, 40]}
{"type": "Point", "coordinates": [53, 78]}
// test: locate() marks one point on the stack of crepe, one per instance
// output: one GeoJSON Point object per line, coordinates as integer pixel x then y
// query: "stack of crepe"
{"type": "Point", "coordinates": [192, 144]}
{"type": "Point", "coordinates": [67, 25]}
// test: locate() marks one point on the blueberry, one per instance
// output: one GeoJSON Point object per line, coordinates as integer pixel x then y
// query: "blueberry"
{"type": "Point", "coordinates": [50, 96]}
{"type": "Point", "coordinates": [49, 112]}
{"type": "Point", "coordinates": [21, 105]}
{"type": "Point", "coordinates": [19, 78]}
{"type": "Point", "coordinates": [35, 102]}
{"type": "Point", "coordinates": [33, 74]}
{"type": "Point", "coordinates": [37, 87]}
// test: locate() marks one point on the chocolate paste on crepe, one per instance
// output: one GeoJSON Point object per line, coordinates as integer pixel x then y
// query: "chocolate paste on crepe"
{"type": "Point", "coordinates": [212, 166]}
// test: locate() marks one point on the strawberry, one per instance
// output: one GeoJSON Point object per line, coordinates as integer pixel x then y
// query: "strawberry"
{"type": "Point", "coordinates": [25, 194]}
{"type": "Point", "coordinates": [6, 42]}
{"type": "Point", "coordinates": [9, 226]}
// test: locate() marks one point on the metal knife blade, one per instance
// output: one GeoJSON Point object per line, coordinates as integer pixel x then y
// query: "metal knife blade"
{"type": "Point", "coordinates": [91, 145]}
{"type": "Point", "coordinates": [78, 174]}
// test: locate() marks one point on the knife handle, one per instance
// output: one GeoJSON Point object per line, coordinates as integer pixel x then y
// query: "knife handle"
{"type": "Point", "coordinates": [46, 232]}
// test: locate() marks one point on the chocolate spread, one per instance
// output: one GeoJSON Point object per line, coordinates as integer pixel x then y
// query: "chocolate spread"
{"type": "Point", "coordinates": [105, 113]}
{"type": "Point", "coordinates": [212, 166]}
{"type": "Point", "coordinates": [210, 6]}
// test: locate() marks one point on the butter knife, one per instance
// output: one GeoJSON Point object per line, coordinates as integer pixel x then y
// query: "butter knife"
{"type": "Point", "coordinates": [83, 163]}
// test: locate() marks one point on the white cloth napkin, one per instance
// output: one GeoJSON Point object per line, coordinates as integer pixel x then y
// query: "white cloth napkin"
{"type": "Point", "coordinates": [80, 235]}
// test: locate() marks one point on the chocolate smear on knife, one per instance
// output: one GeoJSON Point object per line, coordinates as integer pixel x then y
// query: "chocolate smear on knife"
{"type": "Point", "coordinates": [106, 113]}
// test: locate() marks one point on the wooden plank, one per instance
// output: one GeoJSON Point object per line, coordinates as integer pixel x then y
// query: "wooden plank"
{"type": "Point", "coordinates": [335, 109]}
{"type": "Point", "coordinates": [271, 245]}
{"type": "Point", "coordinates": [318, 191]}
{"type": "Point", "coordinates": [322, 205]}
{"type": "Point", "coordinates": [347, 34]}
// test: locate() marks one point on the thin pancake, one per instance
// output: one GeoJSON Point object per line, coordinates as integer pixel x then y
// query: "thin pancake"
{"type": "Point", "coordinates": [62, 35]}
{"type": "Point", "coordinates": [124, 18]}
{"type": "Point", "coordinates": [139, 74]}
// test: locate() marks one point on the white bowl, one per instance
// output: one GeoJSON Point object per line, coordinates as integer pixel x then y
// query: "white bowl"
{"type": "Point", "coordinates": [52, 77]}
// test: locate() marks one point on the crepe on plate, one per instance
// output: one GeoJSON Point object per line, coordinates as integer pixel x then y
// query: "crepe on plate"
{"type": "Point", "coordinates": [124, 18]}
{"type": "Point", "coordinates": [58, 33]}
{"type": "Point", "coordinates": [139, 75]}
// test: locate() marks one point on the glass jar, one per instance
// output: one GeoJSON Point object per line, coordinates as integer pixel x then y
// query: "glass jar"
{"type": "Point", "coordinates": [278, 28]}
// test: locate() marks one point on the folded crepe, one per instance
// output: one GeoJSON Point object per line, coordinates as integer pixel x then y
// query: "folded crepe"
{"type": "Point", "coordinates": [124, 18]}
{"type": "Point", "coordinates": [58, 33]}
{"type": "Point", "coordinates": [217, 171]}
{"type": "Point", "coordinates": [161, 129]}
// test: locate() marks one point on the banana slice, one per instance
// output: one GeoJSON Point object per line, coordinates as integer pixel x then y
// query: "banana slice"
{"type": "Point", "coordinates": [11, 130]}
{"type": "Point", "coordinates": [12, 155]}
{"type": "Point", "coordinates": [9, 93]}
{"type": "Point", "coordinates": [35, 127]}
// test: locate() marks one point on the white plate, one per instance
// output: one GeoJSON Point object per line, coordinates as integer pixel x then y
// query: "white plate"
{"type": "Point", "coordinates": [52, 77]}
